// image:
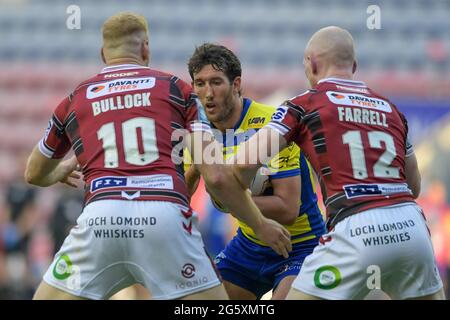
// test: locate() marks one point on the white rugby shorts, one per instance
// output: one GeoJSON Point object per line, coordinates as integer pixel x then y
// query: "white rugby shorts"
{"type": "Point", "coordinates": [118, 243]}
{"type": "Point", "coordinates": [387, 248]}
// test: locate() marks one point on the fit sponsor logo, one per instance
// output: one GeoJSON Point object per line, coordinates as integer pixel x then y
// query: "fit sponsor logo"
{"type": "Point", "coordinates": [108, 182]}
{"type": "Point", "coordinates": [62, 268]}
{"type": "Point", "coordinates": [358, 100]}
{"type": "Point", "coordinates": [188, 270]}
{"type": "Point", "coordinates": [156, 181]}
{"type": "Point", "coordinates": [118, 86]}
{"type": "Point", "coordinates": [327, 277]}
{"type": "Point", "coordinates": [366, 190]}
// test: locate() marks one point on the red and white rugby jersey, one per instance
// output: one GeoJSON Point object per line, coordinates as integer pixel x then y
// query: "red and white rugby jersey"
{"type": "Point", "coordinates": [356, 141]}
{"type": "Point", "coordinates": [119, 124]}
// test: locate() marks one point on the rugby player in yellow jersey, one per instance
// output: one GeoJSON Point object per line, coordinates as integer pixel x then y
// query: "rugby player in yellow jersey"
{"type": "Point", "coordinates": [247, 265]}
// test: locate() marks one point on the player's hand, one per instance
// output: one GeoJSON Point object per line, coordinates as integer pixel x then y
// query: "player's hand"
{"type": "Point", "coordinates": [276, 236]}
{"type": "Point", "coordinates": [69, 170]}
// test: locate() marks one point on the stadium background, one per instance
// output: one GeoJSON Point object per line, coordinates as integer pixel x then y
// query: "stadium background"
{"type": "Point", "coordinates": [42, 60]}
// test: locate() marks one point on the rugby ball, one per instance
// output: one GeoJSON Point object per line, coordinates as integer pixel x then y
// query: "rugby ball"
{"type": "Point", "coordinates": [260, 182]}
{"type": "Point", "coordinates": [258, 185]}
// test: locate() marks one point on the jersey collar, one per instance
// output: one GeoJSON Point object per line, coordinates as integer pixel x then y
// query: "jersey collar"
{"type": "Point", "coordinates": [118, 67]}
{"type": "Point", "coordinates": [246, 105]}
{"type": "Point", "coordinates": [343, 82]}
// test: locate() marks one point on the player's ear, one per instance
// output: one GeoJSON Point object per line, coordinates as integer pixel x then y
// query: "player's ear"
{"type": "Point", "coordinates": [237, 84]}
{"type": "Point", "coordinates": [103, 55]}
{"type": "Point", "coordinates": [314, 68]}
{"type": "Point", "coordinates": [145, 52]}
{"type": "Point", "coordinates": [355, 65]}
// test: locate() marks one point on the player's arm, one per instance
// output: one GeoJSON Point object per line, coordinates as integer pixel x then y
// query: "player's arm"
{"type": "Point", "coordinates": [44, 165]}
{"type": "Point", "coordinates": [42, 171]}
{"type": "Point", "coordinates": [259, 149]}
{"type": "Point", "coordinates": [191, 173]}
{"type": "Point", "coordinates": [412, 174]}
{"type": "Point", "coordinates": [192, 177]}
{"type": "Point", "coordinates": [283, 205]}
{"type": "Point", "coordinates": [223, 185]}
{"type": "Point", "coordinates": [220, 179]}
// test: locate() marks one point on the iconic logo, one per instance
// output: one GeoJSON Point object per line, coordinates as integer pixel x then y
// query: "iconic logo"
{"type": "Point", "coordinates": [188, 270]}
{"type": "Point", "coordinates": [327, 277]}
{"type": "Point", "coordinates": [63, 268]}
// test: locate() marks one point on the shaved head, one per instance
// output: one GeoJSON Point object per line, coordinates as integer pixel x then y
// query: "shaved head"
{"type": "Point", "coordinates": [330, 50]}
{"type": "Point", "coordinates": [124, 36]}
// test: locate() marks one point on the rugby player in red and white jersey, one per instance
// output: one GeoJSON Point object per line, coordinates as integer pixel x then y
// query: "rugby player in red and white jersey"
{"type": "Point", "coordinates": [356, 141]}
{"type": "Point", "coordinates": [136, 225]}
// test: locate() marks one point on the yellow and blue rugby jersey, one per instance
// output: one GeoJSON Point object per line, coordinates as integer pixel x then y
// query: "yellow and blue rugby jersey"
{"type": "Point", "coordinates": [289, 162]}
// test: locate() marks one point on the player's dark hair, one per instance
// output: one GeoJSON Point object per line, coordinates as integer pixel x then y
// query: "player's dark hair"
{"type": "Point", "coordinates": [221, 58]}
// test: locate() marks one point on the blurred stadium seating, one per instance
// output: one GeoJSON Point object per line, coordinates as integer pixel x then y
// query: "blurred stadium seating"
{"type": "Point", "coordinates": [408, 59]}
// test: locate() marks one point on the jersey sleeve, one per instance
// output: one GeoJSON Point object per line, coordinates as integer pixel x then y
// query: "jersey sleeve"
{"type": "Point", "coordinates": [55, 143]}
{"type": "Point", "coordinates": [286, 119]}
{"type": "Point", "coordinates": [195, 116]}
{"type": "Point", "coordinates": [286, 163]}
{"type": "Point", "coordinates": [187, 159]}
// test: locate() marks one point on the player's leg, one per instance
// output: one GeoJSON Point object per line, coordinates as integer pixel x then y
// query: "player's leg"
{"type": "Point", "coordinates": [295, 294]}
{"type": "Point", "coordinates": [215, 293]}
{"type": "Point", "coordinates": [283, 288]}
{"type": "Point", "coordinates": [440, 295]}
{"type": "Point", "coordinates": [413, 274]}
{"type": "Point", "coordinates": [173, 237]}
{"type": "Point", "coordinates": [90, 261]}
{"type": "Point", "coordinates": [133, 292]}
{"type": "Point", "coordinates": [48, 292]}
{"type": "Point", "coordinates": [286, 270]}
{"type": "Point", "coordinates": [240, 265]}
{"type": "Point", "coordinates": [236, 292]}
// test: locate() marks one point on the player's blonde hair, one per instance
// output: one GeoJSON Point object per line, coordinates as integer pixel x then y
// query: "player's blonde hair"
{"type": "Point", "coordinates": [121, 26]}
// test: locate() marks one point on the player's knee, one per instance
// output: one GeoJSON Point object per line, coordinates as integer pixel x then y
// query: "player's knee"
{"type": "Point", "coordinates": [216, 178]}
